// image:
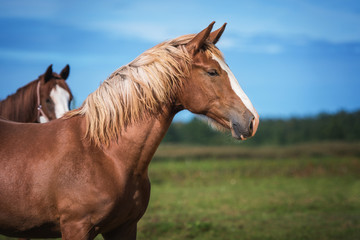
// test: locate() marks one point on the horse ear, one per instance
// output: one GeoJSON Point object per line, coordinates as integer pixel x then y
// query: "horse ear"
{"type": "Point", "coordinates": [215, 35]}
{"type": "Point", "coordinates": [48, 73]}
{"type": "Point", "coordinates": [65, 72]}
{"type": "Point", "coordinates": [197, 42]}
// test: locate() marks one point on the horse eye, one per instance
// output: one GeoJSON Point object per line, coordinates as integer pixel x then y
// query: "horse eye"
{"type": "Point", "coordinates": [48, 100]}
{"type": "Point", "coordinates": [213, 73]}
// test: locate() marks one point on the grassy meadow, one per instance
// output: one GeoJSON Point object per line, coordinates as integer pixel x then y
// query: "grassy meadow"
{"type": "Point", "coordinates": [295, 192]}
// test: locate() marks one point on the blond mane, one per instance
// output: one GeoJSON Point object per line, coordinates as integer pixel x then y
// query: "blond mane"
{"type": "Point", "coordinates": [142, 86]}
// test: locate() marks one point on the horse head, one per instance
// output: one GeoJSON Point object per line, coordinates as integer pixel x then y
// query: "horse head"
{"type": "Point", "coordinates": [212, 89]}
{"type": "Point", "coordinates": [53, 94]}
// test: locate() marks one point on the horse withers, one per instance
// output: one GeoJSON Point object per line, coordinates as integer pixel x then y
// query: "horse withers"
{"type": "Point", "coordinates": [87, 172]}
{"type": "Point", "coordinates": [41, 100]}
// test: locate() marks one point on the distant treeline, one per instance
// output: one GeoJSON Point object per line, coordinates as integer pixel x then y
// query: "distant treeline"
{"type": "Point", "coordinates": [342, 126]}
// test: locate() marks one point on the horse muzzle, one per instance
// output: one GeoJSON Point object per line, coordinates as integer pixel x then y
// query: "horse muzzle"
{"type": "Point", "coordinates": [244, 129]}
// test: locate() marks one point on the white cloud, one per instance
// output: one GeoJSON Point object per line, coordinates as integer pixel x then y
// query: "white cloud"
{"type": "Point", "coordinates": [290, 22]}
{"type": "Point", "coordinates": [146, 31]}
{"type": "Point", "coordinates": [32, 55]}
{"type": "Point", "coordinates": [227, 43]}
{"type": "Point", "coordinates": [160, 20]}
{"type": "Point", "coordinates": [297, 18]}
{"type": "Point", "coordinates": [34, 9]}
{"type": "Point", "coordinates": [247, 45]}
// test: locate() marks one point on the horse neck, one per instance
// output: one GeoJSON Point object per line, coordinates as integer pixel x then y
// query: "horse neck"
{"type": "Point", "coordinates": [21, 106]}
{"type": "Point", "coordinates": [137, 144]}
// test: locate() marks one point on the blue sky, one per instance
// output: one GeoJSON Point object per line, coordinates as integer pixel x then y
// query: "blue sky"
{"type": "Point", "coordinates": [291, 57]}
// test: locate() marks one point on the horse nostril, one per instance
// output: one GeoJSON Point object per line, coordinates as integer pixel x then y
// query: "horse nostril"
{"type": "Point", "coordinates": [251, 127]}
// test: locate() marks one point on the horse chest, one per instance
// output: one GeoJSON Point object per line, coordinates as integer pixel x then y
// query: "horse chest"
{"type": "Point", "coordinates": [136, 197]}
{"type": "Point", "coordinates": [130, 205]}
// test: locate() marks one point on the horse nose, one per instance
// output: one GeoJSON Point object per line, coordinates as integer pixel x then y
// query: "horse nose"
{"type": "Point", "coordinates": [244, 129]}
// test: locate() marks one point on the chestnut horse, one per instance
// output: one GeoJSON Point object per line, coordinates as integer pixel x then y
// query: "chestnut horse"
{"type": "Point", "coordinates": [87, 173]}
{"type": "Point", "coordinates": [41, 100]}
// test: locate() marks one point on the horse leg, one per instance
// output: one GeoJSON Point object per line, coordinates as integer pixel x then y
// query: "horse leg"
{"type": "Point", "coordinates": [123, 233]}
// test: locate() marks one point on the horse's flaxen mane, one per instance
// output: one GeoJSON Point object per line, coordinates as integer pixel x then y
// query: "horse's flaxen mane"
{"type": "Point", "coordinates": [13, 106]}
{"type": "Point", "coordinates": [142, 86]}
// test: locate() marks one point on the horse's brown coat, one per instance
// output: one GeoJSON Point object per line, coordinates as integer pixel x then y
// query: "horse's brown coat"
{"type": "Point", "coordinates": [55, 181]}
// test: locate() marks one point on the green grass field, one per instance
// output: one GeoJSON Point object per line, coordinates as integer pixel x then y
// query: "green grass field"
{"type": "Point", "coordinates": [302, 196]}
{"type": "Point", "coordinates": [315, 198]}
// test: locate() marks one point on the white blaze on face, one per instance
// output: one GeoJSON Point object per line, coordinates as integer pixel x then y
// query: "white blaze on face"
{"type": "Point", "coordinates": [238, 90]}
{"type": "Point", "coordinates": [61, 99]}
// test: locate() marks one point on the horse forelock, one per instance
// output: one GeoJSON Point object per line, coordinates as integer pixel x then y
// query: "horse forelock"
{"type": "Point", "coordinates": [141, 87]}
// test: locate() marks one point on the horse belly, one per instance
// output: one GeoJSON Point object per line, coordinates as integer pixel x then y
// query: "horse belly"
{"type": "Point", "coordinates": [45, 230]}
{"type": "Point", "coordinates": [26, 204]}
{"type": "Point", "coordinates": [27, 219]}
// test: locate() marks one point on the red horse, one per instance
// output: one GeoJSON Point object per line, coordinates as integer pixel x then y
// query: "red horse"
{"type": "Point", "coordinates": [41, 100]}
{"type": "Point", "coordinates": [87, 173]}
